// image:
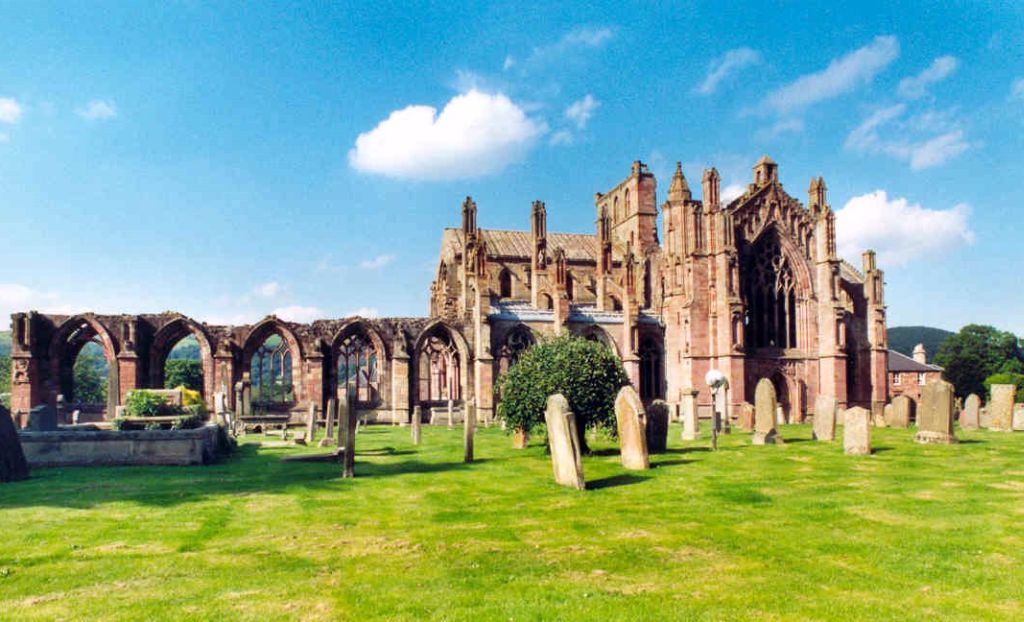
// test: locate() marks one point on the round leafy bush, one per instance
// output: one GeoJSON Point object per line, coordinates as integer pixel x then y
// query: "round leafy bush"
{"type": "Point", "coordinates": [587, 373]}
{"type": "Point", "coordinates": [142, 403]}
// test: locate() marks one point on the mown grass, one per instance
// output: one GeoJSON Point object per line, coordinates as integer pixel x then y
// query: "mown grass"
{"type": "Point", "coordinates": [797, 532]}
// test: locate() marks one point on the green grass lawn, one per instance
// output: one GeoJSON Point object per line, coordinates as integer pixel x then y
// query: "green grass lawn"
{"type": "Point", "coordinates": [797, 532]}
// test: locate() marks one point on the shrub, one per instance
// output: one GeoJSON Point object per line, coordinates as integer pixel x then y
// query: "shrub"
{"type": "Point", "coordinates": [586, 372]}
{"type": "Point", "coordinates": [123, 425]}
{"type": "Point", "coordinates": [189, 422]}
{"type": "Point", "coordinates": [183, 372]}
{"type": "Point", "coordinates": [1006, 378]}
{"type": "Point", "coordinates": [141, 403]}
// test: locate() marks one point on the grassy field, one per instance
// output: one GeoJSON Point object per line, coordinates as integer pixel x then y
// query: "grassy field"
{"type": "Point", "coordinates": [799, 532]}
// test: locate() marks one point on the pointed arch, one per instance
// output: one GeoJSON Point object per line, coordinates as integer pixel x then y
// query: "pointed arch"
{"type": "Point", "coordinates": [505, 283]}
{"type": "Point", "coordinates": [359, 363]}
{"type": "Point", "coordinates": [775, 284]}
{"type": "Point", "coordinates": [65, 344]}
{"type": "Point", "coordinates": [258, 335]}
{"type": "Point", "coordinates": [441, 364]}
{"type": "Point", "coordinates": [166, 337]}
{"type": "Point", "coordinates": [517, 340]}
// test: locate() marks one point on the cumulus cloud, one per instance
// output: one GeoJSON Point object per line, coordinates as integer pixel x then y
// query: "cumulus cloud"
{"type": "Point", "coordinates": [377, 262]}
{"type": "Point", "coordinates": [899, 231]}
{"type": "Point", "coordinates": [267, 290]}
{"type": "Point", "coordinates": [298, 313]}
{"type": "Point", "coordinates": [10, 110]}
{"type": "Point", "coordinates": [580, 111]}
{"type": "Point", "coordinates": [475, 134]}
{"type": "Point", "coordinates": [916, 87]}
{"type": "Point", "coordinates": [15, 297]}
{"type": "Point", "coordinates": [920, 153]}
{"type": "Point", "coordinates": [98, 110]}
{"type": "Point", "coordinates": [561, 138]}
{"type": "Point", "coordinates": [726, 65]}
{"type": "Point", "coordinates": [842, 75]}
{"type": "Point", "coordinates": [367, 312]}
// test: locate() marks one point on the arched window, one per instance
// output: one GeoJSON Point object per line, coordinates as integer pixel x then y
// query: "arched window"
{"type": "Point", "coordinates": [271, 374]}
{"type": "Point", "coordinates": [518, 340]}
{"type": "Point", "coordinates": [439, 377]}
{"type": "Point", "coordinates": [505, 283]}
{"type": "Point", "coordinates": [650, 369]}
{"type": "Point", "coordinates": [769, 292]}
{"type": "Point", "coordinates": [357, 369]}
{"type": "Point", "coordinates": [85, 369]}
{"type": "Point", "coordinates": [546, 302]}
{"type": "Point", "coordinates": [648, 288]}
{"type": "Point", "coordinates": [616, 210]}
{"type": "Point", "coordinates": [184, 365]}
{"type": "Point", "coordinates": [570, 286]}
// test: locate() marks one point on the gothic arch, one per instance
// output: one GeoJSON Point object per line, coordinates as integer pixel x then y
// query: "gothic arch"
{"type": "Point", "coordinates": [65, 344]}
{"type": "Point", "coordinates": [358, 344]}
{"type": "Point", "coordinates": [776, 287]}
{"type": "Point", "coordinates": [164, 341]}
{"type": "Point", "coordinates": [593, 332]}
{"type": "Point", "coordinates": [505, 283]}
{"type": "Point", "coordinates": [652, 362]}
{"type": "Point", "coordinates": [441, 356]}
{"type": "Point", "coordinates": [263, 330]}
{"type": "Point", "coordinates": [517, 340]}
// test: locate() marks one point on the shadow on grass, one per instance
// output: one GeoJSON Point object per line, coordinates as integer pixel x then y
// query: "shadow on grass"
{"type": "Point", "coordinates": [624, 479]}
{"type": "Point", "coordinates": [665, 463]}
{"type": "Point", "coordinates": [880, 450]}
{"type": "Point", "coordinates": [686, 450]}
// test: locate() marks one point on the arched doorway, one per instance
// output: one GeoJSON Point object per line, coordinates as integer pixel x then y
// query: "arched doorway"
{"type": "Point", "coordinates": [651, 385]}
{"type": "Point", "coordinates": [181, 355]}
{"type": "Point", "coordinates": [84, 369]}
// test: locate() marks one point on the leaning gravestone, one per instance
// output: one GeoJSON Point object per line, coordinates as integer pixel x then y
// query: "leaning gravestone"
{"type": "Point", "coordinates": [825, 418]}
{"type": "Point", "coordinates": [935, 416]}
{"type": "Point", "coordinates": [899, 415]}
{"type": "Point", "coordinates": [564, 443]}
{"type": "Point", "coordinates": [688, 413]}
{"type": "Point", "coordinates": [42, 418]}
{"type": "Point", "coordinates": [857, 432]}
{"type": "Point", "coordinates": [657, 426]}
{"type": "Point", "coordinates": [1000, 407]}
{"type": "Point", "coordinates": [13, 466]}
{"type": "Point", "coordinates": [631, 420]}
{"type": "Point", "coordinates": [1018, 417]}
{"type": "Point", "coordinates": [765, 407]}
{"type": "Point", "coordinates": [970, 417]}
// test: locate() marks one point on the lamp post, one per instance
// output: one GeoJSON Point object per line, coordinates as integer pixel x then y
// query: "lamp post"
{"type": "Point", "coordinates": [717, 381]}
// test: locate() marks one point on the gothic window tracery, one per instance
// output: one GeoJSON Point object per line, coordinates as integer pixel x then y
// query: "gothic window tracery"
{"type": "Point", "coordinates": [271, 373]}
{"type": "Point", "coordinates": [518, 340]}
{"type": "Point", "coordinates": [439, 370]}
{"type": "Point", "coordinates": [357, 369]}
{"type": "Point", "coordinates": [769, 291]}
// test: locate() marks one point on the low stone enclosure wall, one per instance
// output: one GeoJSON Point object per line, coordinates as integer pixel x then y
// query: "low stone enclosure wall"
{"type": "Point", "coordinates": [113, 448]}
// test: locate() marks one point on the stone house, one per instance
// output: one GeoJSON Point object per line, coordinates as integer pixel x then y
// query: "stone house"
{"type": "Point", "coordinates": [909, 375]}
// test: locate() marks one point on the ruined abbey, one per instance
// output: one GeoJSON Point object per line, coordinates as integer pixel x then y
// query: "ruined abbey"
{"type": "Point", "coordinates": [752, 288]}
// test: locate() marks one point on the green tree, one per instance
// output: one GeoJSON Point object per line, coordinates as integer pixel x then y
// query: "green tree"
{"type": "Point", "coordinates": [587, 373]}
{"type": "Point", "coordinates": [975, 353]}
{"type": "Point", "coordinates": [186, 372]}
{"type": "Point", "coordinates": [90, 378]}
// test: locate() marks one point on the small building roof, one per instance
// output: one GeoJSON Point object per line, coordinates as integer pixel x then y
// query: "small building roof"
{"type": "Point", "coordinates": [899, 362]}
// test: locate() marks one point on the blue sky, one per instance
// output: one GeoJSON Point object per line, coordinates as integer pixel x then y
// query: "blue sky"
{"type": "Point", "coordinates": [229, 160]}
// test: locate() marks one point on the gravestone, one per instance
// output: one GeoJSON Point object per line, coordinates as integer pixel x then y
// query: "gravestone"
{"type": "Point", "coordinates": [935, 415]}
{"type": "Point", "coordinates": [688, 413]}
{"type": "Point", "coordinates": [450, 413]}
{"type": "Point", "coordinates": [984, 420]}
{"type": "Point", "coordinates": [468, 430]}
{"type": "Point", "coordinates": [825, 408]}
{"type": "Point", "coordinates": [970, 416]}
{"type": "Point", "coordinates": [746, 419]}
{"type": "Point", "coordinates": [1000, 407]}
{"type": "Point", "coordinates": [657, 426]}
{"type": "Point", "coordinates": [765, 407]}
{"type": "Point", "coordinates": [899, 414]}
{"type": "Point", "coordinates": [857, 432]}
{"type": "Point", "coordinates": [75, 416]}
{"type": "Point", "coordinates": [886, 415]}
{"type": "Point", "coordinates": [42, 418]}
{"type": "Point", "coordinates": [311, 422]}
{"type": "Point", "coordinates": [347, 436]}
{"type": "Point", "coordinates": [329, 415]}
{"type": "Point", "coordinates": [417, 416]}
{"type": "Point", "coordinates": [1018, 417]}
{"type": "Point", "coordinates": [564, 443]}
{"type": "Point", "coordinates": [13, 466]}
{"type": "Point", "coordinates": [780, 415]}
{"type": "Point", "coordinates": [631, 420]}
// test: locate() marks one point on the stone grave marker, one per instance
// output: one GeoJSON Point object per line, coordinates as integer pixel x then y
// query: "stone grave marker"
{"type": "Point", "coordinates": [825, 407]}
{"type": "Point", "coordinates": [347, 436]}
{"type": "Point", "coordinates": [657, 426]}
{"type": "Point", "coordinates": [857, 432]}
{"type": "Point", "coordinates": [417, 421]}
{"type": "Point", "coordinates": [688, 413]}
{"type": "Point", "coordinates": [970, 416]}
{"type": "Point", "coordinates": [1018, 417]}
{"type": "Point", "coordinates": [899, 414]}
{"type": "Point", "coordinates": [42, 418]}
{"type": "Point", "coordinates": [631, 420]}
{"type": "Point", "coordinates": [746, 419]}
{"type": "Point", "coordinates": [330, 414]}
{"type": "Point", "coordinates": [935, 415]}
{"type": "Point", "coordinates": [765, 407]}
{"type": "Point", "coordinates": [1000, 407]}
{"type": "Point", "coordinates": [564, 443]}
{"type": "Point", "coordinates": [13, 466]}
{"type": "Point", "coordinates": [468, 430]}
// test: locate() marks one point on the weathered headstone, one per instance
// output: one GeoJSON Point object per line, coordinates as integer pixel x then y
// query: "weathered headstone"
{"type": "Point", "coordinates": [311, 422]}
{"type": "Point", "coordinates": [42, 418]}
{"type": "Point", "coordinates": [1018, 417]}
{"type": "Point", "coordinates": [417, 416]}
{"type": "Point", "coordinates": [468, 430]}
{"type": "Point", "coordinates": [1000, 407]}
{"type": "Point", "coordinates": [564, 443]}
{"type": "Point", "coordinates": [899, 414]}
{"type": "Point", "coordinates": [984, 419]}
{"type": "Point", "coordinates": [825, 407]}
{"type": "Point", "coordinates": [935, 415]}
{"type": "Point", "coordinates": [13, 466]}
{"type": "Point", "coordinates": [61, 412]}
{"type": "Point", "coordinates": [76, 415]}
{"type": "Point", "coordinates": [765, 406]}
{"type": "Point", "coordinates": [746, 419]}
{"type": "Point", "coordinates": [970, 416]}
{"type": "Point", "coordinates": [780, 415]}
{"type": "Point", "coordinates": [857, 432]}
{"type": "Point", "coordinates": [886, 415]}
{"type": "Point", "coordinates": [330, 414]}
{"type": "Point", "coordinates": [657, 426]}
{"type": "Point", "coordinates": [631, 420]}
{"type": "Point", "coordinates": [688, 412]}
{"type": "Point", "coordinates": [450, 413]}
{"type": "Point", "coordinates": [347, 436]}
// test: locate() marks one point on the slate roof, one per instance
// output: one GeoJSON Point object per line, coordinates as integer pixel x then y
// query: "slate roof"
{"type": "Point", "coordinates": [519, 244]}
{"type": "Point", "coordinates": [899, 362]}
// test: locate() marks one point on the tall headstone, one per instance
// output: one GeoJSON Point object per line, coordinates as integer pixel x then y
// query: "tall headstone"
{"type": "Point", "coordinates": [899, 414]}
{"type": "Point", "coordinates": [970, 416]}
{"type": "Point", "coordinates": [657, 426]}
{"type": "Point", "coordinates": [417, 421]}
{"type": "Point", "coordinates": [564, 443]}
{"type": "Point", "coordinates": [1018, 417]}
{"type": "Point", "coordinates": [746, 418]}
{"type": "Point", "coordinates": [631, 420]}
{"type": "Point", "coordinates": [984, 420]}
{"type": "Point", "coordinates": [935, 416]}
{"type": "Point", "coordinates": [450, 413]}
{"type": "Point", "coordinates": [825, 407]}
{"type": "Point", "coordinates": [857, 432]}
{"type": "Point", "coordinates": [347, 436]}
{"type": "Point", "coordinates": [13, 466]}
{"type": "Point", "coordinates": [688, 412]}
{"type": "Point", "coordinates": [246, 397]}
{"type": "Point", "coordinates": [329, 415]}
{"type": "Point", "coordinates": [468, 430]}
{"type": "Point", "coordinates": [311, 423]}
{"type": "Point", "coordinates": [1000, 407]}
{"type": "Point", "coordinates": [765, 406]}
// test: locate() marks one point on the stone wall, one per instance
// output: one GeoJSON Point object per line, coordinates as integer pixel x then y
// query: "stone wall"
{"type": "Point", "coordinates": [111, 448]}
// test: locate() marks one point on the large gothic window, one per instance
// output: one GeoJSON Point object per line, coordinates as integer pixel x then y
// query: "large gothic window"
{"type": "Point", "coordinates": [439, 370]}
{"type": "Point", "coordinates": [271, 374]}
{"type": "Point", "coordinates": [357, 369]}
{"type": "Point", "coordinates": [650, 370]}
{"type": "Point", "coordinates": [769, 292]}
{"type": "Point", "coordinates": [519, 340]}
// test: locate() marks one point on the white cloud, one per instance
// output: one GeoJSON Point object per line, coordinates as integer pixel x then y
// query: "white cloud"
{"type": "Point", "coordinates": [727, 64]}
{"type": "Point", "coordinates": [508, 64]}
{"type": "Point", "coordinates": [15, 297]}
{"type": "Point", "coordinates": [731, 192]}
{"type": "Point", "coordinates": [916, 87]}
{"type": "Point", "coordinates": [10, 110]}
{"type": "Point", "coordinates": [1017, 89]}
{"type": "Point", "coordinates": [780, 127]}
{"type": "Point", "coordinates": [841, 76]}
{"type": "Point", "coordinates": [919, 153]}
{"type": "Point", "coordinates": [475, 134]}
{"type": "Point", "coordinates": [377, 262]}
{"type": "Point", "coordinates": [561, 138]}
{"type": "Point", "coordinates": [298, 313]}
{"type": "Point", "coordinates": [580, 111]}
{"type": "Point", "coordinates": [898, 230]}
{"type": "Point", "coordinates": [267, 290]}
{"type": "Point", "coordinates": [98, 110]}
{"type": "Point", "coordinates": [367, 312]}
{"type": "Point", "coordinates": [580, 38]}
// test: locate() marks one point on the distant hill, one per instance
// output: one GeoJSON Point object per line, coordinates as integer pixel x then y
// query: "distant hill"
{"type": "Point", "coordinates": [5, 343]}
{"type": "Point", "coordinates": [904, 338]}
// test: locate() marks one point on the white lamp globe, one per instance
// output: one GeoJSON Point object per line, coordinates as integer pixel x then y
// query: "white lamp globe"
{"type": "Point", "coordinates": [714, 378]}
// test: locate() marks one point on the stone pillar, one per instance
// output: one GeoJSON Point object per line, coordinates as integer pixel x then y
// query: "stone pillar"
{"type": "Point", "coordinates": [469, 429]}
{"type": "Point", "coordinates": [688, 412]}
{"type": "Point", "coordinates": [400, 384]}
{"type": "Point", "coordinates": [313, 378]}
{"type": "Point", "coordinates": [348, 415]}
{"type": "Point", "coordinates": [224, 376]}
{"type": "Point", "coordinates": [417, 416]}
{"type": "Point", "coordinates": [311, 424]}
{"type": "Point", "coordinates": [484, 389]}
